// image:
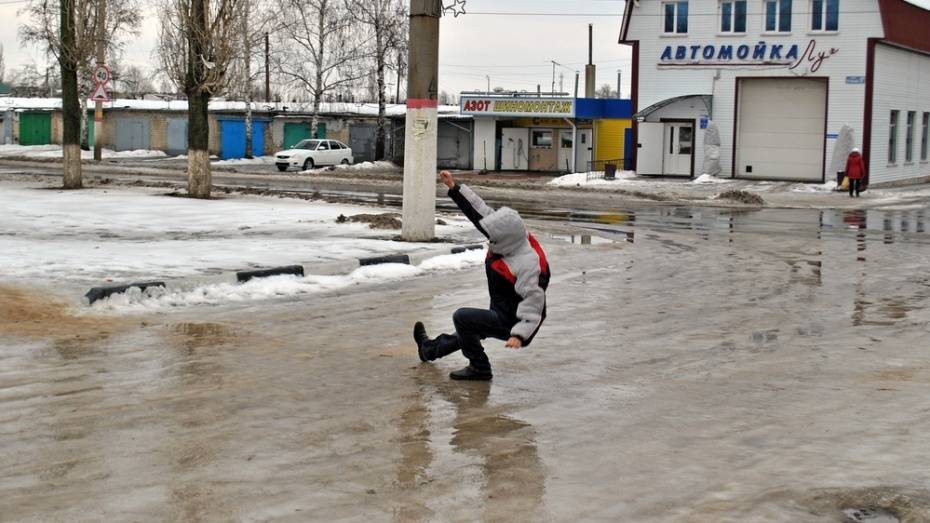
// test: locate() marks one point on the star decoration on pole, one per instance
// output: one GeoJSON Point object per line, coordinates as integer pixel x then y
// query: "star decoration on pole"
{"type": "Point", "coordinates": [457, 8]}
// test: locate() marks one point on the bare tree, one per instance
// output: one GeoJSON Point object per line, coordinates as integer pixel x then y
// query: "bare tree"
{"type": "Point", "coordinates": [386, 22]}
{"type": "Point", "coordinates": [318, 48]}
{"type": "Point", "coordinates": [196, 45]}
{"type": "Point", "coordinates": [254, 23]}
{"type": "Point", "coordinates": [133, 81]}
{"type": "Point", "coordinates": [122, 20]}
{"type": "Point", "coordinates": [605, 91]}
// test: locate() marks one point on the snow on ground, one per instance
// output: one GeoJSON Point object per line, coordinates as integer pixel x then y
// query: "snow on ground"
{"type": "Point", "coordinates": [119, 235]}
{"type": "Point", "coordinates": [281, 286]}
{"type": "Point", "coordinates": [706, 178]}
{"type": "Point", "coordinates": [54, 151]}
{"type": "Point", "coordinates": [380, 165]}
{"type": "Point", "coordinates": [258, 160]}
{"type": "Point", "coordinates": [593, 178]}
{"type": "Point", "coordinates": [815, 188]}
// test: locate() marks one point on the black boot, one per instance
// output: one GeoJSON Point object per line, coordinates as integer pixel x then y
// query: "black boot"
{"type": "Point", "coordinates": [472, 374]}
{"type": "Point", "coordinates": [420, 336]}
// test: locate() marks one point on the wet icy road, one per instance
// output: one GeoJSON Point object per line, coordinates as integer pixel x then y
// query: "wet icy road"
{"type": "Point", "coordinates": [695, 366]}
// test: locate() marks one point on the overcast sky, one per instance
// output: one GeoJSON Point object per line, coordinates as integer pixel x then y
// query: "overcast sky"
{"type": "Point", "coordinates": [514, 50]}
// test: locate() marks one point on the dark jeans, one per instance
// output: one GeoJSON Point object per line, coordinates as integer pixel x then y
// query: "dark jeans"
{"type": "Point", "coordinates": [854, 183]}
{"type": "Point", "coordinates": [471, 326]}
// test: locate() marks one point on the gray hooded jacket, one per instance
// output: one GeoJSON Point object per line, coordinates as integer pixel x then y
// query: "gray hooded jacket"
{"type": "Point", "coordinates": [517, 269]}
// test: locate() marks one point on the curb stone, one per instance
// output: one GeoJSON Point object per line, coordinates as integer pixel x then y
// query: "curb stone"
{"type": "Point", "coordinates": [99, 293]}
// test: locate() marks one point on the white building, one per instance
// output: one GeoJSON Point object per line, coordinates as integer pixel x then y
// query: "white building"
{"type": "Point", "coordinates": [780, 78]}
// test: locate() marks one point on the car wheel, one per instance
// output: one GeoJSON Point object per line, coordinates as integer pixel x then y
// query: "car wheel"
{"type": "Point", "coordinates": [308, 164]}
{"type": "Point", "coordinates": [345, 161]}
{"type": "Point", "coordinates": [282, 168]}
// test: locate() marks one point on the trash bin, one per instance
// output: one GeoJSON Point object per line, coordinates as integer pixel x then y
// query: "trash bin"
{"type": "Point", "coordinates": [610, 171]}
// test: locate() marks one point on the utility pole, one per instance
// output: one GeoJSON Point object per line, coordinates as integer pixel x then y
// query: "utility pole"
{"type": "Point", "coordinates": [101, 50]}
{"type": "Point", "coordinates": [577, 74]}
{"type": "Point", "coordinates": [267, 72]}
{"type": "Point", "coordinates": [420, 133]}
{"type": "Point", "coordinates": [553, 76]}
{"type": "Point", "coordinates": [590, 71]}
{"type": "Point", "coordinates": [400, 74]}
{"type": "Point", "coordinates": [489, 83]}
{"type": "Point", "coordinates": [619, 74]}
{"type": "Point", "coordinates": [561, 82]}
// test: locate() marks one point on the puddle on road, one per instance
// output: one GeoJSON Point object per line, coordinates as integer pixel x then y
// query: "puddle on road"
{"type": "Point", "coordinates": [26, 313]}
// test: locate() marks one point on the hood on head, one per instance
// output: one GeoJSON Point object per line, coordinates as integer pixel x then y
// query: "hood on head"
{"type": "Point", "coordinates": [506, 230]}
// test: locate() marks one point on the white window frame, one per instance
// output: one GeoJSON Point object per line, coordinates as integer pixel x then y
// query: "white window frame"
{"type": "Point", "coordinates": [823, 18]}
{"type": "Point", "coordinates": [732, 3]}
{"type": "Point", "coordinates": [675, 18]}
{"type": "Point", "coordinates": [909, 137]}
{"type": "Point", "coordinates": [925, 137]}
{"type": "Point", "coordinates": [778, 29]}
{"type": "Point", "coordinates": [893, 121]}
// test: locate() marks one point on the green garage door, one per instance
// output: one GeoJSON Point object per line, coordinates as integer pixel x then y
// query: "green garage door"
{"type": "Point", "coordinates": [297, 131]}
{"type": "Point", "coordinates": [35, 128]}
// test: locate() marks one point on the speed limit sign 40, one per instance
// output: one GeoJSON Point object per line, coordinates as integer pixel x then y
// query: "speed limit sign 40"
{"type": "Point", "coordinates": [101, 74]}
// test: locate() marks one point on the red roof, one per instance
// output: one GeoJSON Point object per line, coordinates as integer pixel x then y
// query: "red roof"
{"type": "Point", "coordinates": [905, 24]}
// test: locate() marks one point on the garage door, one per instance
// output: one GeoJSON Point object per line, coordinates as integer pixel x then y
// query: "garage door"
{"type": "Point", "coordinates": [781, 129]}
{"type": "Point", "coordinates": [132, 134]}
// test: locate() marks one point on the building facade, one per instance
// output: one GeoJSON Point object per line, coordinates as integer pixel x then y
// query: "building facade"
{"type": "Point", "coordinates": [780, 79]}
{"type": "Point", "coordinates": [533, 133]}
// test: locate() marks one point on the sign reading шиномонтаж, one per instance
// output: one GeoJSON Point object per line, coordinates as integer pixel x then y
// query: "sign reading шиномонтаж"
{"type": "Point", "coordinates": [761, 53]}
{"type": "Point", "coordinates": [540, 107]}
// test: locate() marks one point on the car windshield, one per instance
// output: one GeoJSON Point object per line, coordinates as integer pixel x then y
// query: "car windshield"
{"type": "Point", "coordinates": [310, 145]}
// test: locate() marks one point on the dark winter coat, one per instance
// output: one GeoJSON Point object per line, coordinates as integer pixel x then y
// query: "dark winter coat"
{"type": "Point", "coordinates": [855, 167]}
{"type": "Point", "coordinates": [516, 266]}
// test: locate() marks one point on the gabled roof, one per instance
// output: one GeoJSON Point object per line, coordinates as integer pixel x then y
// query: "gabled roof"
{"type": "Point", "coordinates": [906, 24]}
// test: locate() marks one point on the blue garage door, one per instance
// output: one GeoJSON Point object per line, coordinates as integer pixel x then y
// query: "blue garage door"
{"type": "Point", "coordinates": [232, 144]}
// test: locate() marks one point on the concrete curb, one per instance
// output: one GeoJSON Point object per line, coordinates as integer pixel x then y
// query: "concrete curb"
{"type": "Point", "coordinates": [237, 277]}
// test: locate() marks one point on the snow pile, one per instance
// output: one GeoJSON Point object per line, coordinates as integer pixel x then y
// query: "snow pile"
{"type": "Point", "coordinates": [54, 151]}
{"type": "Point", "coordinates": [258, 160]}
{"type": "Point", "coordinates": [135, 300]}
{"type": "Point", "coordinates": [706, 178]}
{"type": "Point", "coordinates": [814, 188]}
{"type": "Point", "coordinates": [380, 165]}
{"type": "Point", "coordinates": [593, 178]}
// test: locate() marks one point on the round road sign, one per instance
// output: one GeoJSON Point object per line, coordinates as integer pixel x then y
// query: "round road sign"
{"type": "Point", "coordinates": [102, 74]}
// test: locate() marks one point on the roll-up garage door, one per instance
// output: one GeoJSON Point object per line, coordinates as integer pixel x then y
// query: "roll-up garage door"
{"type": "Point", "coordinates": [781, 129]}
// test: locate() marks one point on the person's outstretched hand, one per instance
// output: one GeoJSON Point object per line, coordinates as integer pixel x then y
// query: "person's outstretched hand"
{"type": "Point", "coordinates": [514, 343]}
{"type": "Point", "coordinates": [447, 179]}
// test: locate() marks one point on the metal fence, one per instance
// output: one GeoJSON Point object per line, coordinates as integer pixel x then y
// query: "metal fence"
{"type": "Point", "coordinates": [600, 169]}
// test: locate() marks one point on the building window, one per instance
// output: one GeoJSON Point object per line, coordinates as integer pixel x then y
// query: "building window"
{"type": "Point", "coordinates": [924, 136]}
{"type": "Point", "coordinates": [909, 137]}
{"type": "Point", "coordinates": [676, 17]}
{"type": "Point", "coordinates": [778, 16]}
{"type": "Point", "coordinates": [542, 139]}
{"type": "Point", "coordinates": [733, 16]}
{"type": "Point", "coordinates": [893, 138]}
{"type": "Point", "coordinates": [825, 15]}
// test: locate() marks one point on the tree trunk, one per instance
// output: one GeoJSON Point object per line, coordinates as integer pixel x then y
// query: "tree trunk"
{"type": "Point", "coordinates": [85, 134]}
{"type": "Point", "coordinates": [199, 176]}
{"type": "Point", "coordinates": [382, 120]}
{"type": "Point", "coordinates": [70, 107]}
{"type": "Point", "coordinates": [318, 80]}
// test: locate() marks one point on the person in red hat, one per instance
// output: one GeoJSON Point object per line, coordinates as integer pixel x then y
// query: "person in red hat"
{"type": "Point", "coordinates": [855, 171]}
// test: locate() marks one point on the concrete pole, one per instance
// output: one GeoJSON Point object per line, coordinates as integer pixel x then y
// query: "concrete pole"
{"type": "Point", "coordinates": [590, 71]}
{"type": "Point", "coordinates": [101, 45]}
{"type": "Point", "coordinates": [420, 133]}
{"type": "Point", "coordinates": [576, 84]}
{"type": "Point", "coordinates": [619, 75]}
{"type": "Point", "coordinates": [267, 72]}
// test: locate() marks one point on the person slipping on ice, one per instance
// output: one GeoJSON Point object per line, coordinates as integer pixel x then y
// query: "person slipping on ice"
{"type": "Point", "coordinates": [518, 275]}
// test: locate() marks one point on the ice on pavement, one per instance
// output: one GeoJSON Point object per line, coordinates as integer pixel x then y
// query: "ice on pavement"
{"type": "Point", "coordinates": [706, 178]}
{"type": "Point", "coordinates": [97, 236]}
{"type": "Point", "coordinates": [281, 286]}
{"type": "Point", "coordinates": [258, 160]}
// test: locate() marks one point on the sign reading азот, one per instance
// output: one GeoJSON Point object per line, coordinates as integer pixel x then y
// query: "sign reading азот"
{"type": "Point", "coordinates": [538, 107]}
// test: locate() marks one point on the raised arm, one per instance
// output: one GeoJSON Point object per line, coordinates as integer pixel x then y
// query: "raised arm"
{"type": "Point", "coordinates": [471, 205]}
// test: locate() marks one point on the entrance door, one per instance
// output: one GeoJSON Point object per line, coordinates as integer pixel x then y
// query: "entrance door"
{"type": "Point", "coordinates": [514, 147]}
{"type": "Point", "coordinates": [584, 151]}
{"type": "Point", "coordinates": [565, 150]}
{"type": "Point", "coordinates": [678, 146]}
